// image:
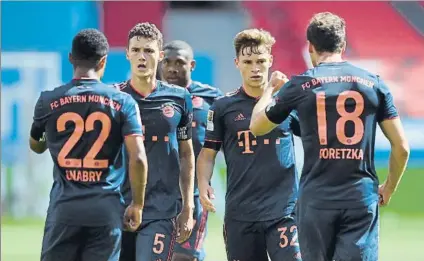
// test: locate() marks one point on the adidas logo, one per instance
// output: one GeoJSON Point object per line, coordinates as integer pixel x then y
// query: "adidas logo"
{"type": "Point", "coordinates": [240, 117]}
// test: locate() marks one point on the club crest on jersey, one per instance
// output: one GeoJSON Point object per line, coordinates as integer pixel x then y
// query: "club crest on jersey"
{"type": "Point", "coordinates": [168, 110]}
{"type": "Point", "coordinates": [197, 101]}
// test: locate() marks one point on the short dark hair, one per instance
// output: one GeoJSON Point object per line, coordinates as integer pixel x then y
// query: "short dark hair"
{"type": "Point", "coordinates": [146, 30]}
{"type": "Point", "coordinates": [179, 45]}
{"type": "Point", "coordinates": [88, 47]}
{"type": "Point", "coordinates": [327, 32]}
{"type": "Point", "coordinates": [253, 38]}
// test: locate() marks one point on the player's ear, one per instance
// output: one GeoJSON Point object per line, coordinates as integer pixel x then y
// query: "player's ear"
{"type": "Point", "coordinates": [161, 55]}
{"type": "Point", "coordinates": [192, 65]}
{"type": "Point", "coordinates": [344, 47]}
{"type": "Point", "coordinates": [70, 58]}
{"type": "Point", "coordinates": [271, 60]}
{"type": "Point", "coordinates": [126, 54]}
{"type": "Point", "coordinates": [236, 62]}
{"type": "Point", "coordinates": [311, 48]}
{"type": "Point", "coordinates": [102, 63]}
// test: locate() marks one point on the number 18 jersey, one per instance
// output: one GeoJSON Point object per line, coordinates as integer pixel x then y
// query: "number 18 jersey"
{"type": "Point", "coordinates": [85, 122]}
{"type": "Point", "coordinates": [339, 106]}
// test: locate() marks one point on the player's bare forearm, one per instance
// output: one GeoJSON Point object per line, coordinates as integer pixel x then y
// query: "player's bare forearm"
{"type": "Point", "coordinates": [187, 174]}
{"type": "Point", "coordinates": [399, 155]}
{"type": "Point", "coordinates": [398, 160]}
{"type": "Point", "coordinates": [37, 146]}
{"type": "Point", "coordinates": [204, 166]}
{"type": "Point", "coordinates": [138, 168]}
{"type": "Point", "coordinates": [259, 123]}
{"type": "Point", "coordinates": [138, 179]}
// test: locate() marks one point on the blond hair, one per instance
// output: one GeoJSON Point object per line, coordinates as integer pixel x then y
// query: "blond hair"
{"type": "Point", "coordinates": [251, 39]}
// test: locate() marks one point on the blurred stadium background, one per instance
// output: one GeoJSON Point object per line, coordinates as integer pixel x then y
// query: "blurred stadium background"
{"type": "Point", "coordinates": [385, 37]}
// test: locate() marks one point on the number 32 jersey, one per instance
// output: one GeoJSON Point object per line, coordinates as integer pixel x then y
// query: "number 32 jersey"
{"type": "Point", "coordinates": [338, 106]}
{"type": "Point", "coordinates": [85, 122]}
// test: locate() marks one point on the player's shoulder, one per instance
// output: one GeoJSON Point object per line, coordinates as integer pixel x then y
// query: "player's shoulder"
{"type": "Point", "coordinates": [172, 91]}
{"type": "Point", "coordinates": [227, 99]}
{"type": "Point", "coordinates": [363, 72]}
{"type": "Point", "coordinates": [109, 90]}
{"type": "Point", "coordinates": [306, 76]}
{"type": "Point", "coordinates": [204, 90]}
{"type": "Point", "coordinates": [56, 92]}
{"type": "Point", "coordinates": [169, 87]}
{"type": "Point", "coordinates": [368, 78]}
{"type": "Point", "coordinates": [121, 86]}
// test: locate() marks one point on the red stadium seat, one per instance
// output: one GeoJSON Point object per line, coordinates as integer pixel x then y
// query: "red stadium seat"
{"type": "Point", "coordinates": [375, 32]}
{"type": "Point", "coordinates": [119, 17]}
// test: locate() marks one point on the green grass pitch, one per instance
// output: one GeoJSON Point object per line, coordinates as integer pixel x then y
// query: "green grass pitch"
{"type": "Point", "coordinates": [401, 235]}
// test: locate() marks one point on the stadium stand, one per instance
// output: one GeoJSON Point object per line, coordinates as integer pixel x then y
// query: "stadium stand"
{"type": "Point", "coordinates": [392, 43]}
{"type": "Point", "coordinates": [119, 17]}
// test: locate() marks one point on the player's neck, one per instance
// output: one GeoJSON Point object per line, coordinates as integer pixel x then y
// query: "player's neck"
{"type": "Point", "coordinates": [144, 85]}
{"type": "Point", "coordinates": [80, 73]}
{"type": "Point", "coordinates": [254, 92]}
{"type": "Point", "coordinates": [329, 58]}
{"type": "Point", "coordinates": [189, 82]}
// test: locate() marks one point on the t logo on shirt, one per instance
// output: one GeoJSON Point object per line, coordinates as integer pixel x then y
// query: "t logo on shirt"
{"type": "Point", "coordinates": [246, 140]}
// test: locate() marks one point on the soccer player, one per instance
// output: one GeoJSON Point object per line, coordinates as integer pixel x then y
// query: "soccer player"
{"type": "Point", "coordinates": [262, 181]}
{"type": "Point", "coordinates": [83, 124]}
{"type": "Point", "coordinates": [339, 106]}
{"type": "Point", "coordinates": [167, 121]}
{"type": "Point", "coordinates": [176, 68]}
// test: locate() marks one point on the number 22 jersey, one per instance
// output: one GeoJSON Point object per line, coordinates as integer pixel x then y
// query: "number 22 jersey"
{"type": "Point", "coordinates": [338, 105]}
{"type": "Point", "coordinates": [85, 122]}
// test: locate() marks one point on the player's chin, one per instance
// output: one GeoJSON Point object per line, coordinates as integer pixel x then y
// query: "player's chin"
{"type": "Point", "coordinates": [175, 81]}
{"type": "Point", "coordinates": [256, 83]}
{"type": "Point", "coordinates": [144, 73]}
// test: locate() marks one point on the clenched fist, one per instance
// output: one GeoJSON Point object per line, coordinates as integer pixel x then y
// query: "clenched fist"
{"type": "Point", "coordinates": [278, 79]}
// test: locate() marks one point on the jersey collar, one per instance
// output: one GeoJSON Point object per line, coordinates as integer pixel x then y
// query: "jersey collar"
{"type": "Point", "coordinates": [141, 95]}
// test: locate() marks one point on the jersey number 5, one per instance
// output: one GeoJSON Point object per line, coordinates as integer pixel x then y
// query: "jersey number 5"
{"type": "Point", "coordinates": [344, 117]}
{"type": "Point", "coordinates": [80, 125]}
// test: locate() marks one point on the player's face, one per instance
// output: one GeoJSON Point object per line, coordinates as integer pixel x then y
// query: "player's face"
{"type": "Point", "coordinates": [144, 56]}
{"type": "Point", "coordinates": [176, 67]}
{"type": "Point", "coordinates": [254, 67]}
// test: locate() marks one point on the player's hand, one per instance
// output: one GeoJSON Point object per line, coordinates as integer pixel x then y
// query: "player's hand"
{"type": "Point", "coordinates": [133, 217]}
{"type": "Point", "coordinates": [278, 79]}
{"type": "Point", "coordinates": [185, 224]}
{"type": "Point", "coordinates": [206, 196]}
{"type": "Point", "coordinates": [385, 193]}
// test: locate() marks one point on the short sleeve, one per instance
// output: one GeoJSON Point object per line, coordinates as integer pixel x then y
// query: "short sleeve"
{"type": "Point", "coordinates": [132, 119]}
{"type": "Point", "coordinates": [386, 109]}
{"type": "Point", "coordinates": [294, 123]}
{"type": "Point", "coordinates": [214, 128]}
{"type": "Point", "coordinates": [219, 93]}
{"type": "Point", "coordinates": [286, 99]}
{"type": "Point", "coordinates": [184, 129]}
{"type": "Point", "coordinates": [39, 120]}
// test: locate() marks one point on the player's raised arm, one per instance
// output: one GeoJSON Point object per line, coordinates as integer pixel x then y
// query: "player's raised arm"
{"type": "Point", "coordinates": [392, 128]}
{"type": "Point", "coordinates": [37, 141]}
{"type": "Point", "coordinates": [260, 124]}
{"type": "Point", "coordinates": [132, 130]}
{"type": "Point", "coordinates": [186, 153]}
